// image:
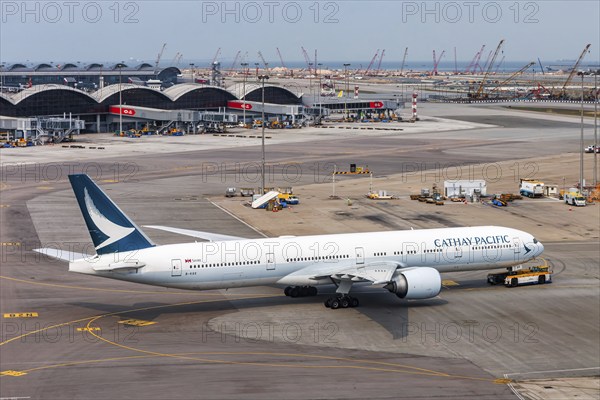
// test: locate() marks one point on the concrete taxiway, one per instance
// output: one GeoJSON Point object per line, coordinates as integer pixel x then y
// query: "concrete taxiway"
{"type": "Point", "coordinates": [69, 336]}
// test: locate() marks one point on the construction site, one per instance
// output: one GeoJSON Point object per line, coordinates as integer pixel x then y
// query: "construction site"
{"type": "Point", "coordinates": [157, 98]}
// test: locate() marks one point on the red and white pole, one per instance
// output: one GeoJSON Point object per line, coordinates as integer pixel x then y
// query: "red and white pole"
{"type": "Point", "coordinates": [414, 106]}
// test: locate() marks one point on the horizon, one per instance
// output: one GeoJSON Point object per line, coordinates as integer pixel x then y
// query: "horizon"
{"type": "Point", "coordinates": [341, 30]}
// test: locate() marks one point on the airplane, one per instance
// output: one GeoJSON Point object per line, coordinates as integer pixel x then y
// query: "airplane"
{"type": "Point", "coordinates": [406, 263]}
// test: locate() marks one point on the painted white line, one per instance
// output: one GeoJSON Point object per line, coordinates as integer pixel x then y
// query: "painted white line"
{"type": "Point", "coordinates": [237, 218]}
{"type": "Point", "coordinates": [556, 370]}
{"type": "Point", "coordinates": [512, 389]}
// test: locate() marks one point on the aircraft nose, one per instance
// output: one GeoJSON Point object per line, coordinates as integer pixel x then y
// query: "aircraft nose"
{"type": "Point", "coordinates": [539, 247]}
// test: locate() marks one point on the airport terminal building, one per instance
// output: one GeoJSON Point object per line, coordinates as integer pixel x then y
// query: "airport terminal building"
{"type": "Point", "coordinates": [103, 98]}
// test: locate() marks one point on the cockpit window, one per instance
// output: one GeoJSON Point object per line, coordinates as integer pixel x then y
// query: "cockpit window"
{"type": "Point", "coordinates": [535, 241]}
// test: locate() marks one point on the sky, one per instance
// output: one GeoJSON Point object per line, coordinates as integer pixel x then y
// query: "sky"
{"type": "Point", "coordinates": [73, 30]}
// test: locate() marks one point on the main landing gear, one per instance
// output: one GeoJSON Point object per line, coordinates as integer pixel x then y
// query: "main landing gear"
{"type": "Point", "coordinates": [343, 301]}
{"type": "Point", "coordinates": [300, 291]}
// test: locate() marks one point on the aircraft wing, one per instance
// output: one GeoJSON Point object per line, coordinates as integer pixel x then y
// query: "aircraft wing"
{"type": "Point", "coordinates": [376, 273]}
{"type": "Point", "coordinates": [211, 237]}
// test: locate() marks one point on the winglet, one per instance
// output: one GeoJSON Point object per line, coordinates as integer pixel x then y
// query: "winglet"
{"type": "Point", "coordinates": [111, 230]}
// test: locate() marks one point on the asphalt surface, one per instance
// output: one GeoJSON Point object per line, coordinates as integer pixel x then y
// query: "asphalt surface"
{"type": "Point", "coordinates": [95, 338]}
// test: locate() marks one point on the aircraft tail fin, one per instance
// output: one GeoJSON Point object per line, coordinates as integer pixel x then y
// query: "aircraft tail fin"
{"type": "Point", "coordinates": [111, 230]}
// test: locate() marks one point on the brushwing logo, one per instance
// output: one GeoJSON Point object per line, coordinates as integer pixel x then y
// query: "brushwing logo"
{"type": "Point", "coordinates": [113, 231]}
{"type": "Point", "coordinates": [527, 249]}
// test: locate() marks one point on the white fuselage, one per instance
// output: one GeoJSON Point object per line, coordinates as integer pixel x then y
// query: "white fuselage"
{"type": "Point", "coordinates": [297, 260]}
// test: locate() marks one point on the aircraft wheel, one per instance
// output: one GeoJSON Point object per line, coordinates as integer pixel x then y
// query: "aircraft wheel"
{"type": "Point", "coordinates": [334, 304]}
{"type": "Point", "coordinates": [286, 291]}
{"type": "Point", "coordinates": [294, 292]}
{"type": "Point", "coordinates": [304, 291]}
{"type": "Point", "coordinates": [344, 303]}
{"type": "Point", "coordinates": [328, 303]}
{"type": "Point", "coordinates": [312, 291]}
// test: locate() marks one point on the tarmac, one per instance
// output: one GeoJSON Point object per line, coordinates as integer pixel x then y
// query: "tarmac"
{"type": "Point", "coordinates": [65, 335]}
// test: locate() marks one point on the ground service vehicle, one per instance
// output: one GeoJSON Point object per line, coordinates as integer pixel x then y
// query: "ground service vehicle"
{"type": "Point", "coordinates": [528, 276]}
{"type": "Point", "coordinates": [531, 188]}
{"type": "Point", "coordinates": [574, 198]}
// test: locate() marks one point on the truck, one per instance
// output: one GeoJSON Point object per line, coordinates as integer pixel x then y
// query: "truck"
{"type": "Point", "coordinates": [574, 198]}
{"type": "Point", "coordinates": [531, 188]}
{"type": "Point", "coordinates": [533, 275]}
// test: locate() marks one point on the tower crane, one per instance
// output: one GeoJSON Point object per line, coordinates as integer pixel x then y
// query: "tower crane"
{"type": "Point", "coordinates": [475, 61]}
{"type": "Point", "coordinates": [178, 59]}
{"type": "Point", "coordinates": [217, 54]}
{"type": "Point", "coordinates": [160, 53]}
{"type": "Point", "coordinates": [499, 64]}
{"type": "Point", "coordinates": [487, 72]}
{"type": "Point", "coordinates": [574, 70]}
{"type": "Point", "coordinates": [513, 75]}
{"type": "Point", "coordinates": [403, 61]}
{"type": "Point", "coordinates": [306, 58]}
{"type": "Point", "coordinates": [281, 59]}
{"type": "Point", "coordinates": [235, 60]}
{"type": "Point", "coordinates": [173, 63]}
{"type": "Point", "coordinates": [379, 63]}
{"type": "Point", "coordinates": [436, 62]}
{"type": "Point", "coordinates": [371, 63]}
{"type": "Point", "coordinates": [266, 64]}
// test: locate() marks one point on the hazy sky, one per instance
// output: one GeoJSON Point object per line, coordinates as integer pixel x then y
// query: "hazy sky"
{"type": "Point", "coordinates": [68, 30]}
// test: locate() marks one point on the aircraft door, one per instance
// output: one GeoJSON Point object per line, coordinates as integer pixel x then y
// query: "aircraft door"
{"type": "Point", "coordinates": [517, 244]}
{"type": "Point", "coordinates": [175, 267]}
{"type": "Point", "coordinates": [458, 253]}
{"type": "Point", "coordinates": [360, 255]}
{"type": "Point", "coordinates": [270, 262]}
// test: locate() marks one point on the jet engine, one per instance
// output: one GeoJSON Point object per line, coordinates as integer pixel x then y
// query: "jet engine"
{"type": "Point", "coordinates": [416, 283]}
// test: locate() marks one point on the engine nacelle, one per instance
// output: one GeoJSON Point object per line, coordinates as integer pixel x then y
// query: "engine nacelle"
{"type": "Point", "coordinates": [416, 283]}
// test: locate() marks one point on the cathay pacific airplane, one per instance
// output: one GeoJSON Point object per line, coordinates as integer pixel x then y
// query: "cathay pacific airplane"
{"type": "Point", "coordinates": [406, 263]}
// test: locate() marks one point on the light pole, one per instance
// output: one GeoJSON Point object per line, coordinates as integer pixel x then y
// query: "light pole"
{"type": "Point", "coordinates": [596, 144]}
{"type": "Point", "coordinates": [581, 140]}
{"type": "Point", "coordinates": [310, 67]}
{"type": "Point", "coordinates": [244, 65]}
{"type": "Point", "coordinates": [347, 84]}
{"type": "Point", "coordinates": [262, 171]}
{"type": "Point", "coordinates": [120, 101]}
{"type": "Point", "coordinates": [192, 71]}
{"type": "Point", "coordinates": [320, 90]}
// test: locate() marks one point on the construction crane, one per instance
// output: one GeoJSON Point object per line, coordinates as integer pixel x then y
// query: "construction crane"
{"type": "Point", "coordinates": [371, 63]}
{"type": "Point", "coordinates": [436, 62]}
{"type": "Point", "coordinates": [574, 70]}
{"type": "Point", "coordinates": [475, 61]}
{"type": "Point", "coordinates": [504, 82]}
{"type": "Point", "coordinates": [178, 59]}
{"type": "Point", "coordinates": [281, 59]}
{"type": "Point", "coordinates": [306, 58]}
{"type": "Point", "coordinates": [487, 60]}
{"type": "Point", "coordinates": [378, 72]}
{"type": "Point", "coordinates": [499, 64]}
{"type": "Point", "coordinates": [403, 60]}
{"type": "Point", "coordinates": [175, 59]}
{"type": "Point", "coordinates": [487, 72]}
{"type": "Point", "coordinates": [266, 64]}
{"type": "Point", "coordinates": [160, 53]}
{"type": "Point", "coordinates": [217, 54]}
{"type": "Point", "coordinates": [235, 60]}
